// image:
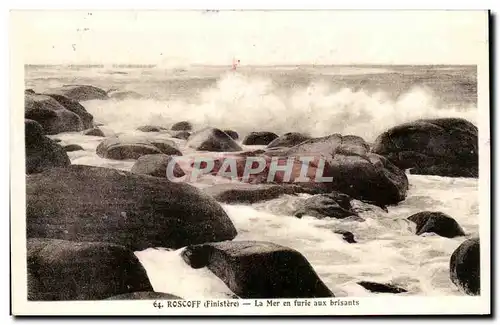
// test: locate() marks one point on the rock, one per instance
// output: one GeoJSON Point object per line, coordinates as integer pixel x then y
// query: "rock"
{"type": "Point", "coordinates": [85, 203]}
{"type": "Point", "coordinates": [29, 91]}
{"type": "Point", "coordinates": [95, 132]}
{"type": "Point", "coordinates": [233, 134]}
{"type": "Point", "coordinates": [355, 171]}
{"type": "Point", "coordinates": [72, 147]}
{"type": "Point", "coordinates": [184, 135]}
{"type": "Point", "coordinates": [120, 149]}
{"type": "Point", "coordinates": [381, 287]}
{"type": "Point", "coordinates": [210, 139]}
{"type": "Point", "coordinates": [249, 193]}
{"type": "Point", "coordinates": [80, 92]}
{"type": "Point", "coordinates": [155, 165]}
{"type": "Point", "coordinates": [66, 270]}
{"type": "Point", "coordinates": [259, 138]}
{"type": "Point", "coordinates": [145, 295]}
{"type": "Point", "coordinates": [123, 94]}
{"type": "Point", "coordinates": [443, 146]}
{"type": "Point", "coordinates": [334, 205]}
{"type": "Point", "coordinates": [347, 236]}
{"type": "Point", "coordinates": [168, 147]}
{"type": "Point", "coordinates": [289, 140]}
{"type": "Point", "coordinates": [41, 152]}
{"type": "Point", "coordinates": [465, 263]}
{"type": "Point", "coordinates": [75, 107]}
{"type": "Point", "coordinates": [51, 115]}
{"type": "Point", "coordinates": [56, 140]}
{"type": "Point", "coordinates": [182, 126]}
{"type": "Point", "coordinates": [253, 269]}
{"type": "Point", "coordinates": [436, 222]}
{"type": "Point", "coordinates": [150, 128]}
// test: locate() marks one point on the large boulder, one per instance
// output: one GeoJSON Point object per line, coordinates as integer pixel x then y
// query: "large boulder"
{"type": "Point", "coordinates": [211, 139]}
{"type": "Point", "coordinates": [156, 165]}
{"type": "Point", "coordinates": [145, 295]}
{"type": "Point", "coordinates": [120, 148]}
{"type": "Point", "coordinates": [182, 126]}
{"type": "Point", "coordinates": [79, 92]}
{"type": "Point", "coordinates": [66, 270]}
{"type": "Point", "coordinates": [333, 205]}
{"type": "Point", "coordinates": [253, 269]}
{"type": "Point", "coordinates": [443, 146]}
{"type": "Point", "coordinates": [50, 114]}
{"type": "Point", "coordinates": [75, 107]}
{"type": "Point", "coordinates": [354, 170]}
{"type": "Point", "coordinates": [289, 140]}
{"type": "Point", "coordinates": [259, 138]}
{"type": "Point", "coordinates": [233, 134]}
{"type": "Point", "coordinates": [41, 152]}
{"type": "Point", "coordinates": [436, 222]}
{"type": "Point", "coordinates": [465, 267]}
{"type": "Point", "coordinates": [85, 203]}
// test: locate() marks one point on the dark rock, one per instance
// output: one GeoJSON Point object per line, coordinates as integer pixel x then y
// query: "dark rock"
{"type": "Point", "coordinates": [182, 126]}
{"type": "Point", "coordinates": [250, 193]}
{"type": "Point", "coordinates": [80, 92]}
{"type": "Point", "coordinates": [355, 171]}
{"type": "Point", "coordinates": [72, 147]}
{"type": "Point", "coordinates": [184, 135]}
{"type": "Point", "coordinates": [443, 146]}
{"type": "Point", "coordinates": [233, 134]}
{"type": "Point", "coordinates": [96, 132]}
{"type": "Point", "coordinates": [289, 140]}
{"type": "Point", "coordinates": [150, 128]}
{"type": "Point", "coordinates": [120, 149]}
{"type": "Point", "coordinates": [259, 269]}
{"type": "Point", "coordinates": [210, 139]}
{"type": "Point", "coordinates": [51, 115]}
{"type": "Point", "coordinates": [167, 147]}
{"type": "Point", "coordinates": [29, 91]}
{"type": "Point", "coordinates": [41, 152]}
{"type": "Point", "coordinates": [57, 140]}
{"type": "Point", "coordinates": [438, 223]}
{"type": "Point", "coordinates": [65, 270]}
{"type": "Point", "coordinates": [259, 138]}
{"type": "Point", "coordinates": [75, 107]}
{"type": "Point", "coordinates": [145, 295]}
{"type": "Point", "coordinates": [333, 205]}
{"type": "Point", "coordinates": [347, 236]}
{"type": "Point", "coordinates": [381, 287]}
{"type": "Point", "coordinates": [85, 203]}
{"type": "Point", "coordinates": [155, 165]}
{"type": "Point", "coordinates": [465, 267]}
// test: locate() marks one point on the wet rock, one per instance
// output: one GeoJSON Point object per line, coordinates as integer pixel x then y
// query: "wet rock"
{"type": "Point", "coordinates": [443, 146]}
{"type": "Point", "coordinates": [233, 134]}
{"type": "Point", "coordinates": [465, 267]}
{"type": "Point", "coordinates": [145, 295]}
{"type": "Point", "coordinates": [182, 126]}
{"type": "Point", "coordinates": [347, 236]}
{"type": "Point", "coordinates": [436, 222]}
{"type": "Point", "coordinates": [96, 132]}
{"type": "Point", "coordinates": [72, 147]}
{"type": "Point", "coordinates": [334, 205]}
{"type": "Point", "coordinates": [52, 116]}
{"type": "Point", "coordinates": [259, 138]}
{"type": "Point", "coordinates": [288, 140]}
{"type": "Point", "coordinates": [67, 270]}
{"type": "Point", "coordinates": [354, 170]}
{"type": "Point", "coordinates": [150, 128]}
{"type": "Point", "coordinates": [75, 107]}
{"type": "Point", "coordinates": [41, 152]}
{"type": "Point", "coordinates": [120, 148]}
{"type": "Point", "coordinates": [210, 139]}
{"type": "Point", "coordinates": [155, 165]}
{"type": "Point", "coordinates": [167, 147]}
{"type": "Point", "coordinates": [184, 135]}
{"type": "Point", "coordinates": [253, 269]}
{"type": "Point", "coordinates": [80, 92]}
{"type": "Point", "coordinates": [85, 203]}
{"type": "Point", "coordinates": [381, 287]}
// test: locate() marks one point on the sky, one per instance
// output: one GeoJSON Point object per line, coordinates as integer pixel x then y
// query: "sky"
{"type": "Point", "coordinates": [176, 38]}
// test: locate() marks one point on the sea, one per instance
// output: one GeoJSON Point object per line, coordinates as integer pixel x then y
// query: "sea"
{"type": "Point", "coordinates": [362, 100]}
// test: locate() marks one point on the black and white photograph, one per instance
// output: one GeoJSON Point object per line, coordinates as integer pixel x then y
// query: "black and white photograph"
{"type": "Point", "coordinates": [250, 162]}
